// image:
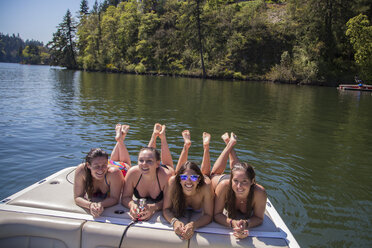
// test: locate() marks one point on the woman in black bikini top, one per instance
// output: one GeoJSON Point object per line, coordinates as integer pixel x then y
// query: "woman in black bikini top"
{"type": "Point", "coordinates": [148, 179]}
{"type": "Point", "coordinates": [158, 198]}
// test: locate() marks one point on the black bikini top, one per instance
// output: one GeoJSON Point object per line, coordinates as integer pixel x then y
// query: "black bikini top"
{"type": "Point", "coordinates": [157, 199]}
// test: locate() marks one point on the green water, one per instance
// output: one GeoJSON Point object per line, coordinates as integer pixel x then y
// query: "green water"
{"type": "Point", "coordinates": [311, 146]}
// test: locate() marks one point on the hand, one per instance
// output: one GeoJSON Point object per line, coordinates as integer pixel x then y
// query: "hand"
{"type": "Point", "coordinates": [147, 212]}
{"type": "Point", "coordinates": [133, 212]}
{"type": "Point", "coordinates": [240, 230]}
{"type": "Point", "coordinates": [96, 209]}
{"type": "Point", "coordinates": [239, 224]}
{"type": "Point", "coordinates": [239, 234]}
{"type": "Point", "coordinates": [188, 231]}
{"type": "Point", "coordinates": [178, 227]}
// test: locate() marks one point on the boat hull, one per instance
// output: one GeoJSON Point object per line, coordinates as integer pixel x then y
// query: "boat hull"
{"type": "Point", "coordinates": [364, 87]}
{"type": "Point", "coordinates": [45, 215]}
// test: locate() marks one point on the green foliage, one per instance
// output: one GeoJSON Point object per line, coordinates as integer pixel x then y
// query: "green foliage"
{"type": "Point", "coordinates": [62, 46]}
{"type": "Point", "coordinates": [359, 32]}
{"type": "Point", "coordinates": [293, 41]}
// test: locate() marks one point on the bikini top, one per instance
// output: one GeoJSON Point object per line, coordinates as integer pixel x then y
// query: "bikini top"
{"type": "Point", "coordinates": [157, 199]}
{"type": "Point", "coordinates": [99, 193]}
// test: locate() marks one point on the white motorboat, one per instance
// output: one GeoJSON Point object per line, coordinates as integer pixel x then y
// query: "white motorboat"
{"type": "Point", "coordinates": [45, 215]}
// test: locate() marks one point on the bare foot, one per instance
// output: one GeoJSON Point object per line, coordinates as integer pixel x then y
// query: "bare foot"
{"type": "Point", "coordinates": [157, 129]}
{"type": "Point", "coordinates": [162, 132]}
{"type": "Point", "coordinates": [124, 130]}
{"type": "Point", "coordinates": [233, 139]}
{"type": "Point", "coordinates": [186, 137]}
{"type": "Point", "coordinates": [225, 137]}
{"type": "Point", "coordinates": [206, 139]}
{"type": "Point", "coordinates": [118, 135]}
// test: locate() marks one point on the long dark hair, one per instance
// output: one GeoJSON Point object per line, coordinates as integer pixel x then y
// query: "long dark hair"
{"type": "Point", "coordinates": [231, 199]}
{"type": "Point", "coordinates": [178, 201]}
{"type": "Point", "coordinates": [92, 154]}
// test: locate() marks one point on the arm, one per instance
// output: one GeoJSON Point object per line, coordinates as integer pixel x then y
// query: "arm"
{"type": "Point", "coordinates": [126, 197]}
{"type": "Point", "coordinates": [79, 188]}
{"type": "Point", "coordinates": [151, 208]}
{"type": "Point", "coordinates": [207, 216]}
{"type": "Point", "coordinates": [259, 206]}
{"type": "Point", "coordinates": [167, 207]}
{"type": "Point", "coordinates": [219, 204]}
{"type": "Point", "coordinates": [116, 181]}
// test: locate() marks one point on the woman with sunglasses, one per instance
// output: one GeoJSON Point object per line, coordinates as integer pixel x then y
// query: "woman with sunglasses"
{"type": "Point", "coordinates": [188, 189]}
{"type": "Point", "coordinates": [238, 193]}
{"type": "Point", "coordinates": [149, 178]}
{"type": "Point", "coordinates": [98, 182]}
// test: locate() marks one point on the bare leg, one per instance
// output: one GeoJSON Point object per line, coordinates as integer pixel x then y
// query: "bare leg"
{"type": "Point", "coordinates": [120, 151]}
{"type": "Point", "coordinates": [154, 136]}
{"type": "Point", "coordinates": [232, 155]}
{"type": "Point", "coordinates": [185, 150]}
{"type": "Point", "coordinates": [166, 157]}
{"type": "Point", "coordinates": [206, 163]}
{"type": "Point", "coordinates": [220, 164]}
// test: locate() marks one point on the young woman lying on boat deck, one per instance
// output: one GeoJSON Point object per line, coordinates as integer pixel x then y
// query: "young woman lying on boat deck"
{"type": "Point", "coordinates": [98, 179]}
{"type": "Point", "coordinates": [189, 189]}
{"type": "Point", "coordinates": [149, 178]}
{"type": "Point", "coordinates": [238, 192]}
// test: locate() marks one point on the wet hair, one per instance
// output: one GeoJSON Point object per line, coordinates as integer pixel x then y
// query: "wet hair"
{"type": "Point", "coordinates": [231, 199]}
{"type": "Point", "coordinates": [92, 154]}
{"type": "Point", "coordinates": [153, 150]}
{"type": "Point", "coordinates": [178, 201]}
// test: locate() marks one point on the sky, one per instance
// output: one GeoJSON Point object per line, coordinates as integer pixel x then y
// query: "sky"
{"type": "Point", "coordinates": [35, 19]}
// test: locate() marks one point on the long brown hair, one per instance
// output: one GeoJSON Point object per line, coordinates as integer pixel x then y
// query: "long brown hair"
{"type": "Point", "coordinates": [230, 201]}
{"type": "Point", "coordinates": [92, 154]}
{"type": "Point", "coordinates": [178, 201]}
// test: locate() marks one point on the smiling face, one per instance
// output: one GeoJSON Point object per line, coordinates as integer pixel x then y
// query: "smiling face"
{"type": "Point", "coordinates": [189, 186]}
{"type": "Point", "coordinates": [147, 162]}
{"type": "Point", "coordinates": [98, 167]}
{"type": "Point", "coordinates": [241, 184]}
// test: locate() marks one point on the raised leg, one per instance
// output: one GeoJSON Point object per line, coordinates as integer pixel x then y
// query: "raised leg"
{"type": "Point", "coordinates": [185, 150]}
{"type": "Point", "coordinates": [232, 155]}
{"type": "Point", "coordinates": [166, 157]}
{"type": "Point", "coordinates": [220, 164]}
{"type": "Point", "coordinates": [155, 135]}
{"type": "Point", "coordinates": [206, 163]}
{"type": "Point", "coordinates": [120, 151]}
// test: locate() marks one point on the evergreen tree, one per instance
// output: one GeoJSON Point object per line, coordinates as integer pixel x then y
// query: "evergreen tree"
{"type": "Point", "coordinates": [84, 9]}
{"type": "Point", "coordinates": [62, 46]}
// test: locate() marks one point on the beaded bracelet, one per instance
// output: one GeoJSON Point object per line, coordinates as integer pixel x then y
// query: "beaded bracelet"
{"type": "Point", "coordinates": [231, 223]}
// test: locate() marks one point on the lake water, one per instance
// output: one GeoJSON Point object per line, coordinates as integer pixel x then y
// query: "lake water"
{"type": "Point", "coordinates": [311, 146]}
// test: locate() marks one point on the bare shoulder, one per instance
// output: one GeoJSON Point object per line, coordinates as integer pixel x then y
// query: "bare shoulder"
{"type": "Point", "coordinates": [260, 191]}
{"type": "Point", "coordinates": [222, 187]}
{"type": "Point", "coordinates": [163, 175]}
{"type": "Point", "coordinates": [80, 170]}
{"type": "Point", "coordinates": [172, 181]}
{"type": "Point", "coordinates": [133, 174]}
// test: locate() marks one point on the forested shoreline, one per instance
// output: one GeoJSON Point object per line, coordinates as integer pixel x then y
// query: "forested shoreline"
{"type": "Point", "coordinates": [308, 42]}
{"type": "Point", "coordinates": [14, 50]}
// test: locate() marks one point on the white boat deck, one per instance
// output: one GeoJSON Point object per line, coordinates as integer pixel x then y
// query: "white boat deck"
{"type": "Point", "coordinates": [45, 215]}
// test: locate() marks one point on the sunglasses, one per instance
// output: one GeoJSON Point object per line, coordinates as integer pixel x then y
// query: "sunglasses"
{"type": "Point", "coordinates": [193, 178]}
